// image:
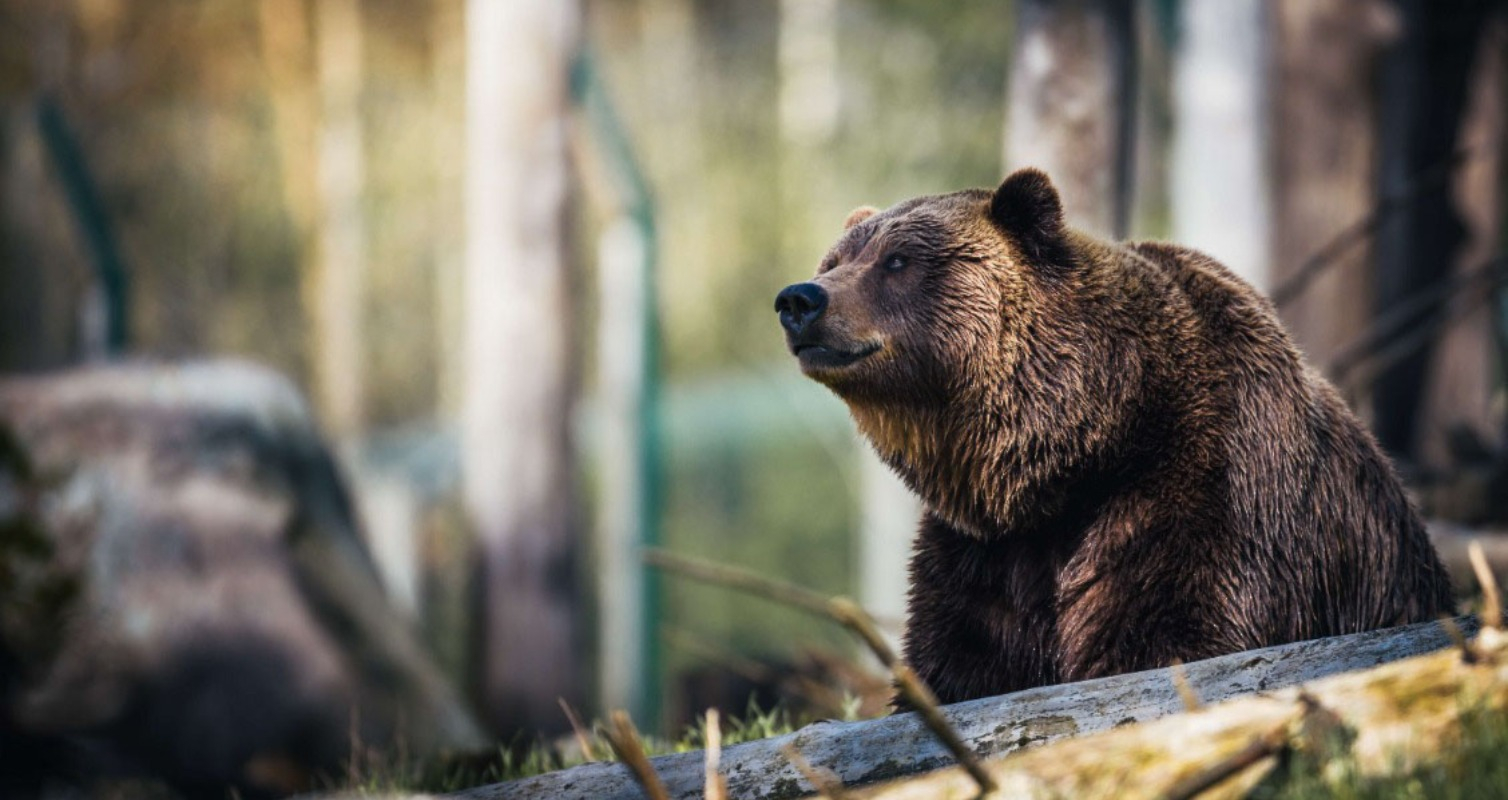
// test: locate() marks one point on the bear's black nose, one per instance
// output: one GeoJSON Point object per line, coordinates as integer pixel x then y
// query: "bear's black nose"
{"type": "Point", "coordinates": [799, 305]}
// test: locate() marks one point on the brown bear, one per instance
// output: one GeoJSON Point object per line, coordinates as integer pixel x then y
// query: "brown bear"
{"type": "Point", "coordinates": [1123, 459]}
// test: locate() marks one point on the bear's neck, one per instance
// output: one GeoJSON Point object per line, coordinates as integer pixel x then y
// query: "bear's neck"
{"type": "Point", "coordinates": [993, 466]}
{"type": "Point", "coordinates": [967, 470]}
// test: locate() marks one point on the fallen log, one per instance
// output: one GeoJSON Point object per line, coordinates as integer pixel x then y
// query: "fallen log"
{"type": "Point", "coordinates": [1380, 722]}
{"type": "Point", "coordinates": [900, 745]}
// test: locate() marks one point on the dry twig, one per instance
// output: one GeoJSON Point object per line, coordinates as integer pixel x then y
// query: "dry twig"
{"type": "Point", "coordinates": [1185, 690]}
{"type": "Point", "coordinates": [716, 786]}
{"type": "Point", "coordinates": [852, 616]}
{"type": "Point", "coordinates": [823, 780]}
{"type": "Point", "coordinates": [583, 739]}
{"type": "Point", "coordinates": [625, 742]}
{"type": "Point", "coordinates": [1264, 746]}
{"type": "Point", "coordinates": [1492, 608]}
{"type": "Point", "coordinates": [1468, 655]}
{"type": "Point", "coordinates": [1329, 254]}
{"type": "Point", "coordinates": [921, 698]}
{"type": "Point", "coordinates": [1404, 327]}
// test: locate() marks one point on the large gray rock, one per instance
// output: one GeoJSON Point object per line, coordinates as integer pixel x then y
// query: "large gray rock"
{"type": "Point", "coordinates": [184, 591]}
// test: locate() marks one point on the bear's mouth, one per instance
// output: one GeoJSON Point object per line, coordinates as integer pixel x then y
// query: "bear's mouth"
{"type": "Point", "coordinates": [814, 356]}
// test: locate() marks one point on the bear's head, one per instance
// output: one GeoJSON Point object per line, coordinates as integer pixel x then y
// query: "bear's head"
{"type": "Point", "coordinates": [972, 338]}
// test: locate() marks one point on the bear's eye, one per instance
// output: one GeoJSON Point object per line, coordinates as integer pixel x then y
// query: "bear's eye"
{"type": "Point", "coordinates": [895, 263]}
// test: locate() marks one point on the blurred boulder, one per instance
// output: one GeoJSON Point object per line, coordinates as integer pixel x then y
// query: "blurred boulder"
{"type": "Point", "coordinates": [184, 592]}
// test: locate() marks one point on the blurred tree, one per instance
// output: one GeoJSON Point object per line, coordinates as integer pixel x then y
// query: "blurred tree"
{"type": "Point", "coordinates": [314, 87]}
{"type": "Point", "coordinates": [447, 216]}
{"type": "Point", "coordinates": [43, 268]}
{"type": "Point", "coordinates": [1465, 388]}
{"type": "Point", "coordinates": [520, 358]}
{"type": "Point", "coordinates": [1425, 91]}
{"type": "Point", "coordinates": [336, 282]}
{"type": "Point", "coordinates": [1323, 158]}
{"type": "Point", "coordinates": [1219, 180]}
{"type": "Point", "coordinates": [1071, 105]}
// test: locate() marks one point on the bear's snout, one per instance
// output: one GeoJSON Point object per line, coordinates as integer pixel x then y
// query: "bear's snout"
{"type": "Point", "coordinates": [799, 305]}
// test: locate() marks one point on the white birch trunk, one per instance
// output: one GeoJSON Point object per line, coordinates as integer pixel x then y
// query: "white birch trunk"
{"type": "Point", "coordinates": [1220, 196]}
{"type": "Point", "coordinates": [517, 401]}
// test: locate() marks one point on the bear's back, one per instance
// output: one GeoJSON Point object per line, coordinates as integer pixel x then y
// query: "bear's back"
{"type": "Point", "coordinates": [1308, 492]}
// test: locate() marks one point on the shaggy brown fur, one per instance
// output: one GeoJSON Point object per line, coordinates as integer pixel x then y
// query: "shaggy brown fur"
{"type": "Point", "coordinates": [1124, 460]}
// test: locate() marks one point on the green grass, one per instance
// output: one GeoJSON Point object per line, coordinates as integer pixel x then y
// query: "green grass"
{"type": "Point", "coordinates": [372, 773]}
{"type": "Point", "coordinates": [1474, 766]}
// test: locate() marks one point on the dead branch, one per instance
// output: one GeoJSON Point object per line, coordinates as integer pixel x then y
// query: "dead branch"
{"type": "Point", "coordinates": [624, 739]}
{"type": "Point", "coordinates": [583, 739]}
{"type": "Point", "coordinates": [852, 616]}
{"type": "Point", "coordinates": [1364, 228]}
{"type": "Point", "coordinates": [716, 787]}
{"type": "Point", "coordinates": [1492, 608]}
{"type": "Point", "coordinates": [823, 780]}
{"type": "Point", "coordinates": [1185, 691]}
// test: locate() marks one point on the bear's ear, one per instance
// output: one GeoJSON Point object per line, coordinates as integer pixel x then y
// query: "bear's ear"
{"type": "Point", "coordinates": [1026, 207]}
{"type": "Point", "coordinates": [859, 215]}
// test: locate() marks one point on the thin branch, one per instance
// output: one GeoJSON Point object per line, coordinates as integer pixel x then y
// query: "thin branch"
{"type": "Point", "coordinates": [625, 742]}
{"type": "Point", "coordinates": [1457, 638]}
{"type": "Point", "coordinates": [1402, 347]}
{"type": "Point", "coordinates": [921, 698]}
{"type": "Point", "coordinates": [1185, 690]}
{"type": "Point", "coordinates": [748, 582]}
{"type": "Point", "coordinates": [850, 615]}
{"type": "Point", "coordinates": [1329, 254]}
{"type": "Point", "coordinates": [1492, 608]}
{"type": "Point", "coordinates": [853, 617]}
{"type": "Point", "coordinates": [1265, 746]}
{"type": "Point", "coordinates": [1398, 318]}
{"type": "Point", "coordinates": [583, 739]}
{"type": "Point", "coordinates": [825, 781]}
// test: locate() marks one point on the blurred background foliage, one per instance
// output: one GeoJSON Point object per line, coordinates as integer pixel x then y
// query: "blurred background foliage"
{"type": "Point", "coordinates": [197, 118]}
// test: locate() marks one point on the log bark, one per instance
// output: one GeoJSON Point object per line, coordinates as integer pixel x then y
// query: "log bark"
{"type": "Point", "coordinates": [874, 750]}
{"type": "Point", "coordinates": [1384, 721]}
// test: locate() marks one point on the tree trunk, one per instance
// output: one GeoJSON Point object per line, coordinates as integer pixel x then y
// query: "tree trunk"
{"type": "Point", "coordinates": [1323, 158]}
{"type": "Point", "coordinates": [448, 79]}
{"type": "Point", "coordinates": [1427, 93]}
{"type": "Point", "coordinates": [1071, 105]}
{"type": "Point", "coordinates": [1219, 198]}
{"type": "Point", "coordinates": [516, 452]}
{"type": "Point", "coordinates": [336, 284]}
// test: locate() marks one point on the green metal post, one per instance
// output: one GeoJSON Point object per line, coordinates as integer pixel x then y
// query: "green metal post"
{"type": "Point", "coordinates": [612, 136]}
{"type": "Point", "coordinates": [94, 223]}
